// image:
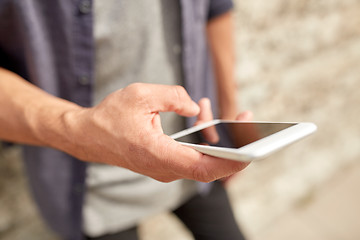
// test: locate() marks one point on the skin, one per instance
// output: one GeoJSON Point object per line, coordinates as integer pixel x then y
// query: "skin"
{"type": "Point", "coordinates": [30, 115]}
{"type": "Point", "coordinates": [124, 129]}
{"type": "Point", "coordinates": [220, 35]}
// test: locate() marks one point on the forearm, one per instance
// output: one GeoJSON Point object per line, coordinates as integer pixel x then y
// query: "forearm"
{"type": "Point", "coordinates": [30, 115]}
{"type": "Point", "coordinates": [220, 32]}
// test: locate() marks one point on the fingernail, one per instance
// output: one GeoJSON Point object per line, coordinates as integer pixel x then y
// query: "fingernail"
{"type": "Point", "coordinates": [196, 107]}
{"type": "Point", "coordinates": [205, 101]}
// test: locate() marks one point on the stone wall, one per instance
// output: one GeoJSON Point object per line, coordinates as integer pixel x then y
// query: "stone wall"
{"type": "Point", "coordinates": [298, 60]}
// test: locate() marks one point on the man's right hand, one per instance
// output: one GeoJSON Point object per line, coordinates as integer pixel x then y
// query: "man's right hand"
{"type": "Point", "coordinates": [123, 130]}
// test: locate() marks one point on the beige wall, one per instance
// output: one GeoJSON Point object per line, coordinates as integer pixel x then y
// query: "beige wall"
{"type": "Point", "coordinates": [298, 60]}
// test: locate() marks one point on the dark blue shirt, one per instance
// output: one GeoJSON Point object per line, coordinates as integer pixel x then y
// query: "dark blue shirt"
{"type": "Point", "coordinates": [50, 43]}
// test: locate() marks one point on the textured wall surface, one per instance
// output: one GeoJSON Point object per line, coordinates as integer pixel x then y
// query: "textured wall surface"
{"type": "Point", "coordinates": [297, 60]}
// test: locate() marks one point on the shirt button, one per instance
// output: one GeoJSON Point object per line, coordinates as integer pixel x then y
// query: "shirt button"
{"type": "Point", "coordinates": [85, 6]}
{"type": "Point", "coordinates": [83, 80]}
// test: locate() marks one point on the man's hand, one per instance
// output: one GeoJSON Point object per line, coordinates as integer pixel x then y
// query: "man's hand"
{"type": "Point", "coordinates": [125, 130]}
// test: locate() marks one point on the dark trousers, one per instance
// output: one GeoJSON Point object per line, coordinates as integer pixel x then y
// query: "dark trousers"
{"type": "Point", "coordinates": [208, 217]}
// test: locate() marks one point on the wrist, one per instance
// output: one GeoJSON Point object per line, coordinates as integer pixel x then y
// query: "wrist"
{"type": "Point", "coordinates": [52, 124]}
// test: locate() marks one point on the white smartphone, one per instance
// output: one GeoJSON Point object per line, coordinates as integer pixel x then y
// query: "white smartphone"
{"type": "Point", "coordinates": [243, 141]}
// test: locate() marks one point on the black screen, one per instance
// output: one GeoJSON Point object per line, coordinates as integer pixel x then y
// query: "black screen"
{"type": "Point", "coordinates": [233, 135]}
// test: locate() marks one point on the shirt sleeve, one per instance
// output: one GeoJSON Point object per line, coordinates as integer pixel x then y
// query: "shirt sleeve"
{"type": "Point", "coordinates": [218, 7]}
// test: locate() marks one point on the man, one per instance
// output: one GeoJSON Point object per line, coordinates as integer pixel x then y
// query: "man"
{"type": "Point", "coordinates": [51, 45]}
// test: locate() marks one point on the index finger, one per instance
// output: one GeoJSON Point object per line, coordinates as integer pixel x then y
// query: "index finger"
{"type": "Point", "coordinates": [165, 98]}
{"type": "Point", "coordinates": [206, 115]}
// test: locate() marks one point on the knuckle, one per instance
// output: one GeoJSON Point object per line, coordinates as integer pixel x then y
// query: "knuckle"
{"type": "Point", "coordinates": [180, 92]}
{"type": "Point", "coordinates": [138, 90]}
{"type": "Point", "coordinates": [180, 95]}
{"type": "Point", "coordinates": [240, 166]}
{"type": "Point", "coordinates": [201, 173]}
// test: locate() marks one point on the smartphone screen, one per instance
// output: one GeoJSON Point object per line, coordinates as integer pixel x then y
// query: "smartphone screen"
{"type": "Point", "coordinates": [234, 135]}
